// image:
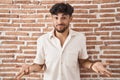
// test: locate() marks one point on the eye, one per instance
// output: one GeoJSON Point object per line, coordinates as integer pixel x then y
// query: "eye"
{"type": "Point", "coordinates": [63, 17]}
{"type": "Point", "coordinates": [56, 18]}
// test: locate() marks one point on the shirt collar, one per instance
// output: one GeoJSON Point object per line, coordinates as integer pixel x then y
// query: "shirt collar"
{"type": "Point", "coordinates": [71, 33]}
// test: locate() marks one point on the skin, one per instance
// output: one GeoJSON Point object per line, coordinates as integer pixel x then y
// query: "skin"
{"type": "Point", "coordinates": [61, 25]}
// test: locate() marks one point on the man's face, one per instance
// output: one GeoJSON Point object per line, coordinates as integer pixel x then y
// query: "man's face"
{"type": "Point", "coordinates": [61, 22]}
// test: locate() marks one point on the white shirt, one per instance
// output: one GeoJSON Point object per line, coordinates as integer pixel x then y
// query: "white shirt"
{"type": "Point", "coordinates": [61, 62]}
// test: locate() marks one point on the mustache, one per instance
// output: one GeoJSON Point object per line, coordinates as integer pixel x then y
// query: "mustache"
{"type": "Point", "coordinates": [60, 25]}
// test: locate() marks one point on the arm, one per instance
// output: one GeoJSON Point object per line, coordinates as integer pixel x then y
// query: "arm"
{"type": "Point", "coordinates": [96, 66]}
{"type": "Point", "coordinates": [27, 69]}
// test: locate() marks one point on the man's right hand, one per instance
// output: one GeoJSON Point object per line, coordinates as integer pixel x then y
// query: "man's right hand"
{"type": "Point", "coordinates": [25, 70]}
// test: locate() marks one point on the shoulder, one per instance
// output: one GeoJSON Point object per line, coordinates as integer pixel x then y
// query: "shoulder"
{"type": "Point", "coordinates": [78, 34]}
{"type": "Point", "coordinates": [43, 37]}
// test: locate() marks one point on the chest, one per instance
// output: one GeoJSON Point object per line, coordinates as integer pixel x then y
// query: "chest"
{"type": "Point", "coordinates": [67, 54]}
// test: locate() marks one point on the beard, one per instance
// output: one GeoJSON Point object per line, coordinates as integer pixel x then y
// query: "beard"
{"type": "Point", "coordinates": [65, 27]}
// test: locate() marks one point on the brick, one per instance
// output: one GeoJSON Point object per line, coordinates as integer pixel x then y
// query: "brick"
{"type": "Point", "coordinates": [109, 47]}
{"type": "Point", "coordinates": [44, 20]}
{"type": "Point", "coordinates": [102, 11]}
{"type": "Point", "coordinates": [85, 25]}
{"type": "Point", "coordinates": [27, 38]}
{"type": "Point", "coordinates": [94, 43]}
{"type": "Point", "coordinates": [4, 20]}
{"type": "Point", "coordinates": [104, 29]}
{"type": "Point", "coordinates": [107, 15]}
{"type": "Point", "coordinates": [47, 29]}
{"type": "Point", "coordinates": [29, 29]}
{"type": "Point", "coordinates": [114, 66]}
{"type": "Point", "coordinates": [8, 46]}
{"type": "Point", "coordinates": [43, 11]}
{"type": "Point", "coordinates": [84, 16]}
{"type": "Point", "coordinates": [31, 43]}
{"type": "Point", "coordinates": [118, 9]}
{"type": "Point", "coordinates": [110, 5]}
{"type": "Point", "coordinates": [9, 6]}
{"type": "Point", "coordinates": [116, 33]}
{"type": "Point", "coordinates": [79, 2]}
{"type": "Point", "coordinates": [29, 52]}
{"type": "Point", "coordinates": [91, 38]}
{"type": "Point", "coordinates": [8, 38]}
{"type": "Point", "coordinates": [101, 20]}
{"type": "Point", "coordinates": [97, 34]}
{"type": "Point", "coordinates": [110, 24]}
{"type": "Point", "coordinates": [23, 11]}
{"type": "Point", "coordinates": [81, 11]}
{"type": "Point", "coordinates": [112, 42]}
{"type": "Point", "coordinates": [7, 29]}
{"type": "Point", "coordinates": [37, 34]}
{"type": "Point", "coordinates": [17, 33]}
{"type": "Point", "coordinates": [93, 52]}
{"type": "Point", "coordinates": [5, 1]}
{"type": "Point", "coordinates": [32, 16]}
{"type": "Point", "coordinates": [4, 11]}
{"type": "Point", "coordinates": [13, 61]}
{"type": "Point", "coordinates": [27, 47]}
{"type": "Point", "coordinates": [10, 25]}
{"type": "Point", "coordinates": [111, 52]}
{"type": "Point", "coordinates": [13, 42]}
{"type": "Point", "coordinates": [6, 70]}
{"type": "Point", "coordinates": [105, 1]}
{"type": "Point", "coordinates": [27, 57]}
{"type": "Point", "coordinates": [21, 2]}
{"type": "Point", "coordinates": [80, 20]}
{"type": "Point", "coordinates": [10, 51]}
{"type": "Point", "coordinates": [33, 25]}
{"type": "Point", "coordinates": [84, 76]}
{"type": "Point", "coordinates": [83, 29]}
{"type": "Point", "coordinates": [7, 65]}
{"type": "Point", "coordinates": [7, 74]}
{"type": "Point", "coordinates": [90, 47]}
{"type": "Point", "coordinates": [113, 61]}
{"type": "Point", "coordinates": [110, 38]}
{"type": "Point", "coordinates": [8, 16]}
{"type": "Point", "coordinates": [86, 7]}
{"type": "Point", "coordinates": [6, 56]}
{"type": "Point", "coordinates": [33, 6]}
{"type": "Point", "coordinates": [109, 57]}
{"type": "Point", "coordinates": [23, 21]}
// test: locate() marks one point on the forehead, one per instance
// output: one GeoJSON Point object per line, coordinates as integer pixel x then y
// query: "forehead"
{"type": "Point", "coordinates": [61, 15]}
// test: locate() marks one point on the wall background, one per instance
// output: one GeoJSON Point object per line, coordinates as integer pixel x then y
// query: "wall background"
{"type": "Point", "coordinates": [23, 21]}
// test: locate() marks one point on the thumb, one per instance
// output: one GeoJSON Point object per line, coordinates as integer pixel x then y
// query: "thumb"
{"type": "Point", "coordinates": [106, 63]}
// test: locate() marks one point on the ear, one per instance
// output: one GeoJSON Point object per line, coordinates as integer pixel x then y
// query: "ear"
{"type": "Point", "coordinates": [71, 17]}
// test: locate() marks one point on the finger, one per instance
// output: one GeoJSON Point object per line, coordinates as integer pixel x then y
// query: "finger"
{"type": "Point", "coordinates": [19, 76]}
{"type": "Point", "coordinates": [96, 69]}
{"type": "Point", "coordinates": [108, 73]}
{"type": "Point", "coordinates": [105, 64]}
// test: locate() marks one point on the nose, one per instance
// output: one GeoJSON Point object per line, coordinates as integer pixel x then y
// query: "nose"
{"type": "Point", "coordinates": [59, 21]}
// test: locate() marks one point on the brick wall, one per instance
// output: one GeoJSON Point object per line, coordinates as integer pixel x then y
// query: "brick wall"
{"type": "Point", "coordinates": [23, 21]}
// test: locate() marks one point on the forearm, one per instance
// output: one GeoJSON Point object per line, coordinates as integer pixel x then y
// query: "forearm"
{"type": "Point", "coordinates": [35, 68]}
{"type": "Point", "coordinates": [87, 64]}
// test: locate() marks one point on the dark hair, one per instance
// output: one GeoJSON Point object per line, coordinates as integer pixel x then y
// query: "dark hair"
{"type": "Point", "coordinates": [62, 8]}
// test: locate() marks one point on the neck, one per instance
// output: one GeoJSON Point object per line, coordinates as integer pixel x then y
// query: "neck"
{"type": "Point", "coordinates": [62, 36]}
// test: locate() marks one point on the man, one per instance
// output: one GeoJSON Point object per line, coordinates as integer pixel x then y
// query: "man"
{"type": "Point", "coordinates": [62, 50]}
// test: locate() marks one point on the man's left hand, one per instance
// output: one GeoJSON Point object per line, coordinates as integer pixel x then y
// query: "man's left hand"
{"type": "Point", "coordinates": [98, 67]}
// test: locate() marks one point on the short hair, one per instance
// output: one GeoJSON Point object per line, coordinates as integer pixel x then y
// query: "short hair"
{"type": "Point", "coordinates": [65, 8]}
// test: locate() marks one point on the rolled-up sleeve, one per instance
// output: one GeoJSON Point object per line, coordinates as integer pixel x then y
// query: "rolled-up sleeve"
{"type": "Point", "coordinates": [40, 57]}
{"type": "Point", "coordinates": [83, 52]}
